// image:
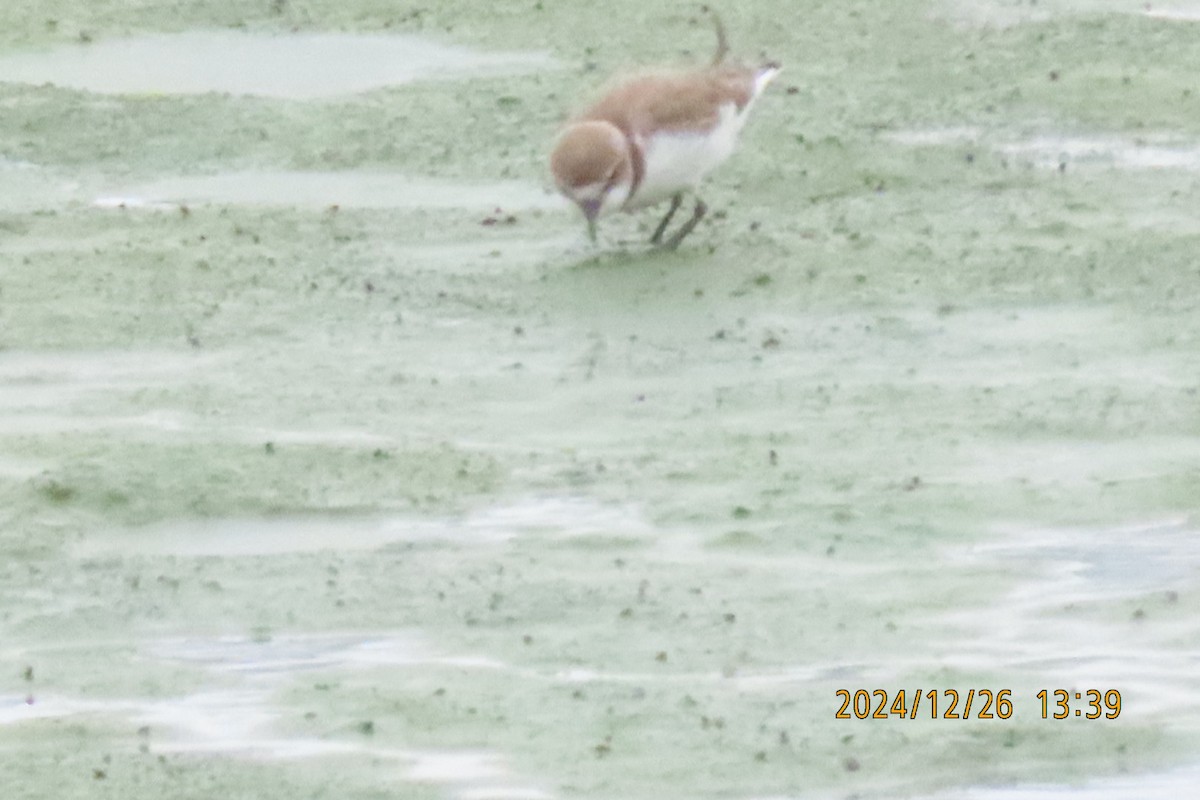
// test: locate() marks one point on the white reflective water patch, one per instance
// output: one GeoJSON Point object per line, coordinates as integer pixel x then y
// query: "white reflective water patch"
{"type": "Point", "coordinates": [1056, 150]}
{"type": "Point", "coordinates": [298, 66]}
{"type": "Point", "coordinates": [1159, 152]}
{"type": "Point", "coordinates": [551, 517]}
{"type": "Point", "coordinates": [378, 190]}
{"type": "Point", "coordinates": [1008, 13]}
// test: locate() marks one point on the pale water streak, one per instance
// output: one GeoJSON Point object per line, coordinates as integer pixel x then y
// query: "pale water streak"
{"type": "Point", "coordinates": [243, 720]}
{"type": "Point", "coordinates": [32, 187]}
{"type": "Point", "coordinates": [932, 137]}
{"type": "Point", "coordinates": [503, 793]}
{"type": "Point", "coordinates": [270, 664]}
{"type": "Point", "coordinates": [43, 381]}
{"type": "Point", "coordinates": [56, 392]}
{"type": "Point", "coordinates": [296, 65]}
{"type": "Point", "coordinates": [320, 190]}
{"type": "Point", "coordinates": [1175, 13]}
{"type": "Point", "coordinates": [1008, 13]}
{"type": "Point", "coordinates": [1052, 150]}
{"type": "Point", "coordinates": [560, 517]}
{"type": "Point", "coordinates": [1171, 785]}
{"type": "Point", "coordinates": [1143, 153]}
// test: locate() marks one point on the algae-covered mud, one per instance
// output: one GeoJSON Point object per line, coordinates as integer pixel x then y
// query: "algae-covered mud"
{"type": "Point", "coordinates": [335, 461]}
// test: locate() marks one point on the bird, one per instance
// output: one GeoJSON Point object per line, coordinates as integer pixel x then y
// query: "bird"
{"type": "Point", "coordinates": [653, 137]}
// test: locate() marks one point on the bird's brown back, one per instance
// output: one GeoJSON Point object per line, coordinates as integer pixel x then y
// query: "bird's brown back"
{"type": "Point", "coordinates": [683, 101]}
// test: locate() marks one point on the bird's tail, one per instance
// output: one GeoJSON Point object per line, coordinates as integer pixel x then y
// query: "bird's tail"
{"type": "Point", "coordinates": [722, 38]}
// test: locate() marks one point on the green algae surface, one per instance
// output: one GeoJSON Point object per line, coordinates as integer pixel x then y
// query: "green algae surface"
{"type": "Point", "coordinates": [310, 491]}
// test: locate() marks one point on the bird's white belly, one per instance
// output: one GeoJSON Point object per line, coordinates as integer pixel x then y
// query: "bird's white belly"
{"type": "Point", "coordinates": [676, 161]}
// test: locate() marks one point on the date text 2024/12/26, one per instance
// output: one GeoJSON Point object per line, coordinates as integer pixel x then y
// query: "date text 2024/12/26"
{"type": "Point", "coordinates": [983, 703]}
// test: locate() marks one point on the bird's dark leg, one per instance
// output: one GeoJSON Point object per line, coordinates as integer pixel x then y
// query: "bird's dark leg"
{"type": "Point", "coordinates": [697, 214]}
{"type": "Point", "coordinates": [662, 226]}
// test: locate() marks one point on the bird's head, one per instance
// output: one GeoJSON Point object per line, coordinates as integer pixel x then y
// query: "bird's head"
{"type": "Point", "coordinates": [592, 167]}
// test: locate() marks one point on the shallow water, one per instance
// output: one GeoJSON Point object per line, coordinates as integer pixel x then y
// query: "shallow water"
{"type": "Point", "coordinates": [551, 517]}
{"type": "Point", "coordinates": [239, 718]}
{"type": "Point", "coordinates": [334, 461]}
{"type": "Point", "coordinates": [1175, 783]}
{"type": "Point", "coordinates": [1007, 12]}
{"type": "Point", "coordinates": [325, 189]}
{"type": "Point", "coordinates": [37, 189]}
{"type": "Point", "coordinates": [1058, 151]}
{"type": "Point", "coordinates": [298, 65]}
{"type": "Point", "coordinates": [1055, 151]}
